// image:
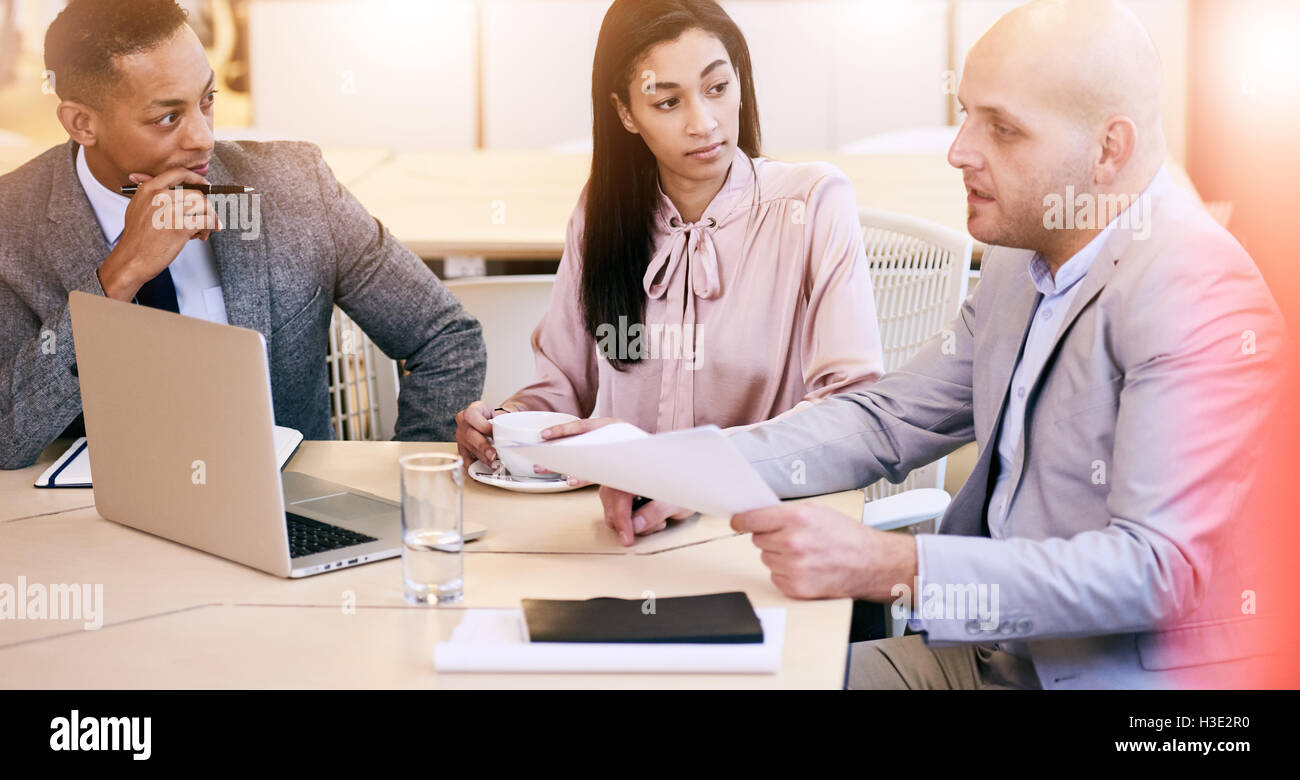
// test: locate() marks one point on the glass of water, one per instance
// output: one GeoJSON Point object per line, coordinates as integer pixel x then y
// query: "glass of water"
{"type": "Point", "coordinates": [432, 540]}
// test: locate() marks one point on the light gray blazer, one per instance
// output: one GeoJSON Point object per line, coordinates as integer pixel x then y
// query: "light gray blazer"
{"type": "Point", "coordinates": [316, 247]}
{"type": "Point", "coordinates": [1125, 558]}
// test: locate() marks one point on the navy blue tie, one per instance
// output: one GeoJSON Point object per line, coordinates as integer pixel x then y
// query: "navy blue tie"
{"type": "Point", "coordinates": [159, 293]}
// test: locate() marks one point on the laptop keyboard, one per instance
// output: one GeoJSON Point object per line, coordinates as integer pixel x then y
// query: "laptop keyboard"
{"type": "Point", "coordinates": [308, 537]}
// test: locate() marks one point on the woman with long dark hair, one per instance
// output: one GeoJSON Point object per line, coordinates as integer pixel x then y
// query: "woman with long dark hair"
{"type": "Point", "coordinates": [700, 282]}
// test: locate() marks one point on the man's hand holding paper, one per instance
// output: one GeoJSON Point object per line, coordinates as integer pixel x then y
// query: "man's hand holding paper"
{"type": "Point", "coordinates": [684, 471]}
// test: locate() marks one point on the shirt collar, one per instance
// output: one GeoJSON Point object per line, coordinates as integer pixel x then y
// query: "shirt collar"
{"type": "Point", "coordinates": [1074, 269]}
{"type": "Point", "coordinates": [740, 179]}
{"type": "Point", "coordinates": [1077, 266]}
{"type": "Point", "coordinates": [1161, 183]}
{"type": "Point", "coordinates": [109, 206]}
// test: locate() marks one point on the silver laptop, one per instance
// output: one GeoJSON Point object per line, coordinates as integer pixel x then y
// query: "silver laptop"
{"type": "Point", "coordinates": [178, 413]}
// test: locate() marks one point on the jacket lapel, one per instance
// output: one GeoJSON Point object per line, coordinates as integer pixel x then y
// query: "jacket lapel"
{"type": "Point", "coordinates": [1102, 269]}
{"type": "Point", "coordinates": [1013, 328]}
{"type": "Point", "coordinates": [1005, 355]}
{"type": "Point", "coordinates": [241, 264]}
{"type": "Point", "coordinates": [1099, 273]}
{"type": "Point", "coordinates": [70, 240]}
{"type": "Point", "coordinates": [1010, 325]}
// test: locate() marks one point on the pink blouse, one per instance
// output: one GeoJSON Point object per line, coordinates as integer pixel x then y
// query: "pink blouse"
{"type": "Point", "coordinates": [763, 304]}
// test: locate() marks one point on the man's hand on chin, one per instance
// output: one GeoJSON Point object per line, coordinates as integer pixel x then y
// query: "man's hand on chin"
{"type": "Point", "coordinates": [817, 553]}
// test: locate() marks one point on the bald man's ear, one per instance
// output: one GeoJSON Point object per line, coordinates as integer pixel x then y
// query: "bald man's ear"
{"type": "Point", "coordinates": [624, 115]}
{"type": "Point", "coordinates": [79, 120]}
{"type": "Point", "coordinates": [1117, 146]}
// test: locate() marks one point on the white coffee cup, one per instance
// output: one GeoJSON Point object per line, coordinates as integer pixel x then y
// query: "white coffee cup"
{"type": "Point", "coordinates": [523, 428]}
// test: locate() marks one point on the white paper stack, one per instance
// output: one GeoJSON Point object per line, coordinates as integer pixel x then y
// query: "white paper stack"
{"type": "Point", "coordinates": [496, 640]}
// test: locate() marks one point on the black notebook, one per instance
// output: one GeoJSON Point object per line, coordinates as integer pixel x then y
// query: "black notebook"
{"type": "Point", "coordinates": [718, 618]}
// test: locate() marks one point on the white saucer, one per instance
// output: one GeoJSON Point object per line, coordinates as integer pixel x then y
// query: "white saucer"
{"type": "Point", "coordinates": [482, 473]}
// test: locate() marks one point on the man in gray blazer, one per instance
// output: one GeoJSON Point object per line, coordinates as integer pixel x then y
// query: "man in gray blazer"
{"type": "Point", "coordinates": [1115, 367]}
{"type": "Point", "coordinates": [1116, 371]}
{"type": "Point", "coordinates": [136, 96]}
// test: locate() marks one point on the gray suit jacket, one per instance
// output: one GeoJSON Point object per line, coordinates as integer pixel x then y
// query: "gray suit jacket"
{"type": "Point", "coordinates": [1122, 562]}
{"type": "Point", "coordinates": [316, 247]}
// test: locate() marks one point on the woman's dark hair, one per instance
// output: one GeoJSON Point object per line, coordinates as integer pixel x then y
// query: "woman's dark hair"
{"type": "Point", "coordinates": [622, 190]}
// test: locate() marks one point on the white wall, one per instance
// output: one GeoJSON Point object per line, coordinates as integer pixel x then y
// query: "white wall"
{"type": "Point", "coordinates": [369, 72]}
{"type": "Point", "coordinates": [890, 61]}
{"type": "Point", "coordinates": [537, 86]}
{"type": "Point", "coordinates": [822, 68]}
{"type": "Point", "coordinates": [832, 71]}
{"type": "Point", "coordinates": [827, 72]}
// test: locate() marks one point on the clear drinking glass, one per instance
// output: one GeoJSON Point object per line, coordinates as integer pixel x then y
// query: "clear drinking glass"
{"type": "Point", "coordinates": [432, 532]}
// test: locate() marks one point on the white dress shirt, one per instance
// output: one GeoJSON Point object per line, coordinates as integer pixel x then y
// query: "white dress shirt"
{"type": "Point", "coordinates": [194, 271]}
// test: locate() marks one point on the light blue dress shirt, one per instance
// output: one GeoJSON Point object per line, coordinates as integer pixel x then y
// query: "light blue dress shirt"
{"type": "Point", "coordinates": [194, 271]}
{"type": "Point", "coordinates": [1057, 295]}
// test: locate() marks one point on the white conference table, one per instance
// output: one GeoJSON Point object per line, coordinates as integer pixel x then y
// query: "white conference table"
{"type": "Point", "coordinates": [177, 617]}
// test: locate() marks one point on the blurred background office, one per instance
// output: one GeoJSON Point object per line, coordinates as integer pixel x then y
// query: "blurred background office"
{"type": "Point", "coordinates": [464, 125]}
{"type": "Point", "coordinates": [834, 76]}
{"type": "Point", "coordinates": [856, 76]}
{"type": "Point", "coordinates": [866, 75]}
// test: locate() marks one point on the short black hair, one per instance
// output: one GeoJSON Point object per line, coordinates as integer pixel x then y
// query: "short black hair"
{"type": "Point", "coordinates": [85, 38]}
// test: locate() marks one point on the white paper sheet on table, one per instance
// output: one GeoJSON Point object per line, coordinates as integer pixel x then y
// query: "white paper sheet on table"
{"type": "Point", "coordinates": [496, 640]}
{"type": "Point", "coordinates": [699, 468]}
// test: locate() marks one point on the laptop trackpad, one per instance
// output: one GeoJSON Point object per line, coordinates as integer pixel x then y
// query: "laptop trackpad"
{"type": "Point", "coordinates": [346, 506]}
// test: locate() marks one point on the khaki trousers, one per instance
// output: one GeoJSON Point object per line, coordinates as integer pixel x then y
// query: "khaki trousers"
{"type": "Point", "coordinates": [905, 663]}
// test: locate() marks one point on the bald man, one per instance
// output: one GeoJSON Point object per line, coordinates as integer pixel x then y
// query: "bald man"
{"type": "Point", "coordinates": [1115, 366]}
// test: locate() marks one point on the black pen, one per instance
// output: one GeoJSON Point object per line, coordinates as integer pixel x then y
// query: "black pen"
{"type": "Point", "coordinates": [206, 189]}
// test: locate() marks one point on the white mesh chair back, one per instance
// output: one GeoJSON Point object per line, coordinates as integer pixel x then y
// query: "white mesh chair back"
{"type": "Point", "coordinates": [363, 384]}
{"type": "Point", "coordinates": [918, 275]}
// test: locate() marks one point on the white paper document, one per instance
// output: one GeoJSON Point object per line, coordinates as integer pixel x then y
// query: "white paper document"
{"type": "Point", "coordinates": [496, 640]}
{"type": "Point", "coordinates": [698, 469]}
